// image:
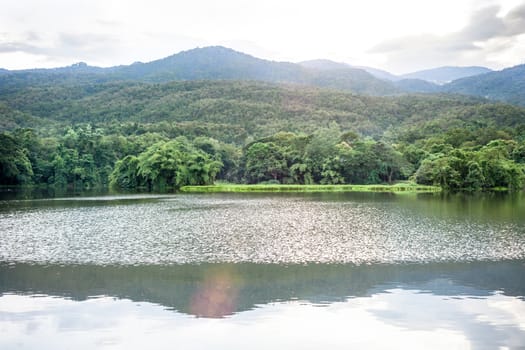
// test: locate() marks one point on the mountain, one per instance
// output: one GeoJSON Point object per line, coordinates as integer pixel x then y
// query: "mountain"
{"type": "Point", "coordinates": [208, 63]}
{"type": "Point", "coordinates": [417, 86]}
{"type": "Point", "coordinates": [420, 81]}
{"type": "Point", "coordinates": [221, 63]}
{"type": "Point", "coordinates": [322, 64]}
{"type": "Point", "coordinates": [379, 73]}
{"type": "Point", "coordinates": [76, 68]}
{"type": "Point", "coordinates": [213, 63]}
{"type": "Point", "coordinates": [443, 75]}
{"type": "Point", "coordinates": [507, 85]}
{"type": "Point", "coordinates": [233, 111]}
{"type": "Point", "coordinates": [356, 80]}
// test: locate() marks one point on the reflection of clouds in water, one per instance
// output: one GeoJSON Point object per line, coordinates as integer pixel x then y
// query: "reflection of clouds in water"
{"type": "Point", "coordinates": [398, 318]}
{"type": "Point", "coordinates": [498, 320]}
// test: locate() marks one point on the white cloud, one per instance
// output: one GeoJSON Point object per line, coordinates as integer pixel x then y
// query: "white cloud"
{"type": "Point", "coordinates": [111, 32]}
{"type": "Point", "coordinates": [488, 38]}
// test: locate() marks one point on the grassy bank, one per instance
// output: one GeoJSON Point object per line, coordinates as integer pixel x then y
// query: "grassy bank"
{"type": "Point", "coordinates": [401, 187]}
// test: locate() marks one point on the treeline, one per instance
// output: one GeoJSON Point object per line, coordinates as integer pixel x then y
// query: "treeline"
{"type": "Point", "coordinates": [131, 134]}
{"type": "Point", "coordinates": [237, 112]}
{"type": "Point", "coordinates": [86, 157]}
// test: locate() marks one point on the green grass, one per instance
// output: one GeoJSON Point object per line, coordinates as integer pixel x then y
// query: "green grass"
{"type": "Point", "coordinates": [400, 187]}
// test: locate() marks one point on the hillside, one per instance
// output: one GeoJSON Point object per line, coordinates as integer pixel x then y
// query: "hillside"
{"type": "Point", "coordinates": [323, 64]}
{"type": "Point", "coordinates": [417, 85]}
{"type": "Point", "coordinates": [443, 75]}
{"type": "Point", "coordinates": [158, 135]}
{"type": "Point", "coordinates": [218, 63]}
{"type": "Point", "coordinates": [507, 85]}
{"type": "Point", "coordinates": [379, 73]}
{"type": "Point", "coordinates": [252, 109]}
{"type": "Point", "coordinates": [209, 63]}
{"type": "Point", "coordinates": [414, 82]}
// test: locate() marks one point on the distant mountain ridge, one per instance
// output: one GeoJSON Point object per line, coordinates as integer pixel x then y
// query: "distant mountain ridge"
{"type": "Point", "coordinates": [324, 64]}
{"type": "Point", "coordinates": [444, 75]}
{"type": "Point", "coordinates": [221, 63]}
{"type": "Point", "coordinates": [418, 86]}
{"type": "Point", "coordinates": [507, 85]}
{"type": "Point", "coordinates": [438, 75]}
{"type": "Point", "coordinates": [210, 63]}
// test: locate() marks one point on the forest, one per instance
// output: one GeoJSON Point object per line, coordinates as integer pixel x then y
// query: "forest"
{"type": "Point", "coordinates": [166, 135]}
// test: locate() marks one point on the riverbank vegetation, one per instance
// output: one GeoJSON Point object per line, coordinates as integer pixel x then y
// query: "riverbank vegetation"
{"type": "Point", "coordinates": [225, 188]}
{"type": "Point", "coordinates": [193, 133]}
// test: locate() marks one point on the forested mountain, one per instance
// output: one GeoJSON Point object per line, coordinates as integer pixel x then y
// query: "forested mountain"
{"type": "Point", "coordinates": [437, 76]}
{"type": "Point", "coordinates": [214, 113]}
{"type": "Point", "coordinates": [323, 64]}
{"type": "Point", "coordinates": [209, 63]}
{"type": "Point", "coordinates": [193, 132]}
{"type": "Point", "coordinates": [507, 85]}
{"type": "Point", "coordinates": [213, 63]}
{"type": "Point", "coordinates": [417, 85]}
{"type": "Point", "coordinates": [258, 109]}
{"type": "Point", "coordinates": [443, 75]}
{"type": "Point", "coordinates": [379, 73]}
{"type": "Point", "coordinates": [220, 63]}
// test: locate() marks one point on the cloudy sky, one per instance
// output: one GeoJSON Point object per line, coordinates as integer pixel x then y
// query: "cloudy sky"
{"type": "Point", "coordinates": [399, 36]}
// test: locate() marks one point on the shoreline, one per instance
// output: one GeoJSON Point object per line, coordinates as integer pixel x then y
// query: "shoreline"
{"type": "Point", "coordinates": [240, 188]}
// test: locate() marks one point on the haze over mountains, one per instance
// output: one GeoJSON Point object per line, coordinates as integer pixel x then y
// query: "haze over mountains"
{"type": "Point", "coordinates": [439, 75]}
{"type": "Point", "coordinates": [220, 63]}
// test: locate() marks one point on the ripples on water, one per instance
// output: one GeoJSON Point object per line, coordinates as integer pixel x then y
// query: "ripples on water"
{"type": "Point", "coordinates": [235, 228]}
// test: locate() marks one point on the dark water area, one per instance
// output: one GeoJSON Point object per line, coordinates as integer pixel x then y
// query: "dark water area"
{"type": "Point", "coordinates": [290, 271]}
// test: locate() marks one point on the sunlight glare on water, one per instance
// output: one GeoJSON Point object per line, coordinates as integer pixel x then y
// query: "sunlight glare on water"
{"type": "Point", "coordinates": [235, 228]}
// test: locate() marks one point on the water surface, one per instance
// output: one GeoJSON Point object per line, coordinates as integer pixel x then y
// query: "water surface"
{"type": "Point", "coordinates": [326, 228]}
{"type": "Point", "coordinates": [258, 271]}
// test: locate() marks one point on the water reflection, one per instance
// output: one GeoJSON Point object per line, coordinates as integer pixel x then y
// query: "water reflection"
{"type": "Point", "coordinates": [434, 306]}
{"type": "Point", "coordinates": [217, 290]}
{"type": "Point", "coordinates": [338, 271]}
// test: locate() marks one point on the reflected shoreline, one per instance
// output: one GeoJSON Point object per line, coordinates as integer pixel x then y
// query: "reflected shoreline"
{"type": "Point", "coordinates": [219, 290]}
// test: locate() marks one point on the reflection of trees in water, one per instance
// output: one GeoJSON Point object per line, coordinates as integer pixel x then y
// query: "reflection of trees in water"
{"type": "Point", "coordinates": [217, 290]}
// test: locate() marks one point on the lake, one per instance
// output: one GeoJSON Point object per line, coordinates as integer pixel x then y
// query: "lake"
{"type": "Point", "coordinates": [236, 271]}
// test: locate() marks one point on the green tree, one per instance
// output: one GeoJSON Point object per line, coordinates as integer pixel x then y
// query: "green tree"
{"type": "Point", "coordinates": [265, 161]}
{"type": "Point", "coordinates": [474, 181]}
{"type": "Point", "coordinates": [163, 165]}
{"type": "Point", "coordinates": [126, 173]}
{"type": "Point", "coordinates": [15, 166]}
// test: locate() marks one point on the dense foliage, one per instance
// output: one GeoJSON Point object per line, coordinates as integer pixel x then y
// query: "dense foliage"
{"type": "Point", "coordinates": [175, 134]}
{"type": "Point", "coordinates": [164, 164]}
{"type": "Point", "coordinates": [507, 85]}
{"type": "Point", "coordinates": [85, 158]}
{"type": "Point", "coordinates": [214, 63]}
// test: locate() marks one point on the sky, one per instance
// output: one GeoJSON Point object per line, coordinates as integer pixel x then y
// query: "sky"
{"type": "Point", "coordinates": [399, 36]}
